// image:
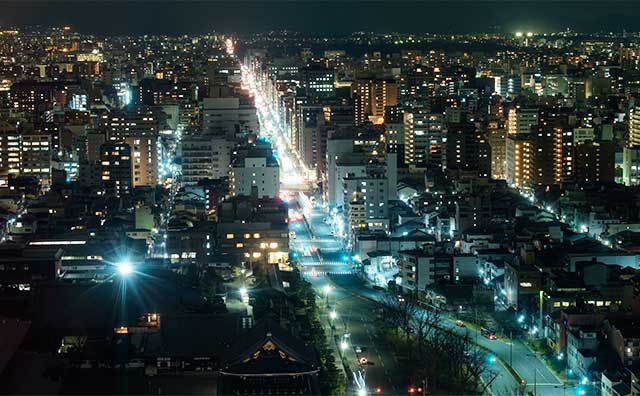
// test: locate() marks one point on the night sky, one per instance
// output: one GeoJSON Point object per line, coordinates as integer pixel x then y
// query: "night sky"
{"type": "Point", "coordinates": [332, 17]}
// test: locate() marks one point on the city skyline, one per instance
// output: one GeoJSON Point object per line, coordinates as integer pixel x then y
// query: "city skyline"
{"type": "Point", "coordinates": [331, 209]}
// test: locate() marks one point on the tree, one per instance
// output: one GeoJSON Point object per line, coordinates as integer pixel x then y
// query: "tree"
{"type": "Point", "coordinates": [436, 357]}
{"type": "Point", "coordinates": [192, 275]}
{"type": "Point", "coordinates": [211, 283]}
{"type": "Point", "coordinates": [401, 312]}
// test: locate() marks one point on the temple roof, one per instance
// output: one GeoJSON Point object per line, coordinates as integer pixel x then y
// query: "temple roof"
{"type": "Point", "coordinates": [269, 350]}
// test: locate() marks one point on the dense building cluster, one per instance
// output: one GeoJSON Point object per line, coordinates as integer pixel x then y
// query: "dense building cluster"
{"type": "Point", "coordinates": [162, 199]}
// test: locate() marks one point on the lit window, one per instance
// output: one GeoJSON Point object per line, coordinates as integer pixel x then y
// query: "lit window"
{"type": "Point", "coordinates": [229, 236]}
{"type": "Point", "coordinates": [239, 245]}
{"type": "Point", "coordinates": [256, 235]}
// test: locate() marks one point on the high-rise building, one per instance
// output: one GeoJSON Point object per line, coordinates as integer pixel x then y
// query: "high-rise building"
{"type": "Point", "coordinates": [633, 139]}
{"type": "Point", "coordinates": [463, 149]}
{"type": "Point", "coordinates": [10, 149]}
{"type": "Point", "coordinates": [205, 157]}
{"type": "Point", "coordinates": [521, 121]}
{"type": "Point", "coordinates": [35, 157]}
{"type": "Point", "coordinates": [371, 97]}
{"type": "Point", "coordinates": [594, 162]}
{"type": "Point", "coordinates": [424, 139]}
{"type": "Point", "coordinates": [548, 155]}
{"type": "Point", "coordinates": [506, 86]}
{"type": "Point", "coordinates": [318, 81]}
{"type": "Point", "coordinates": [311, 134]}
{"type": "Point", "coordinates": [365, 200]}
{"type": "Point", "coordinates": [498, 143]}
{"type": "Point", "coordinates": [337, 147]}
{"type": "Point", "coordinates": [116, 168]}
{"type": "Point", "coordinates": [228, 116]}
{"type": "Point", "coordinates": [255, 167]}
{"type": "Point", "coordinates": [519, 160]}
{"type": "Point", "coordinates": [138, 128]}
{"type": "Point", "coordinates": [631, 166]}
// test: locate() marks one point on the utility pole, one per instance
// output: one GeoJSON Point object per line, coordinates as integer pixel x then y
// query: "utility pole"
{"type": "Point", "coordinates": [476, 320]}
{"type": "Point", "coordinates": [511, 348]}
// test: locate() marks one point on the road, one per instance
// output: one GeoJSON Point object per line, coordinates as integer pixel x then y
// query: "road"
{"type": "Point", "coordinates": [325, 262]}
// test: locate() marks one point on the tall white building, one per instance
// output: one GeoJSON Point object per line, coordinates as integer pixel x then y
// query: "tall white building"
{"type": "Point", "coordinates": [228, 116]}
{"type": "Point", "coordinates": [255, 167]}
{"type": "Point", "coordinates": [631, 166]}
{"type": "Point", "coordinates": [205, 157]}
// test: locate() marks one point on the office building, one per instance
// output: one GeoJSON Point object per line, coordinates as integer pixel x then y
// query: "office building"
{"type": "Point", "coordinates": [205, 157]}
{"type": "Point", "coordinates": [318, 81]}
{"type": "Point", "coordinates": [255, 167]}
{"type": "Point", "coordinates": [35, 158]}
{"type": "Point", "coordinates": [228, 116]}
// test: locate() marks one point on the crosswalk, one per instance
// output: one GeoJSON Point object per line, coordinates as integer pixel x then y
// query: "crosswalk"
{"type": "Point", "coordinates": [326, 263]}
{"type": "Point", "coordinates": [314, 272]}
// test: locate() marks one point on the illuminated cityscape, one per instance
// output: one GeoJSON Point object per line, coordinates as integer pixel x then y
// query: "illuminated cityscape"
{"type": "Point", "coordinates": [265, 199]}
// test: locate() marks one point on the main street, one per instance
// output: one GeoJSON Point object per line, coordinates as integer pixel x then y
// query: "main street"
{"type": "Point", "coordinates": [328, 266]}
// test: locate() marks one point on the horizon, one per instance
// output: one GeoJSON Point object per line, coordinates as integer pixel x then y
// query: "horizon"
{"type": "Point", "coordinates": [323, 17]}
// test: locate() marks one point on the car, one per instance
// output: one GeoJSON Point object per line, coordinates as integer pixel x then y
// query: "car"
{"type": "Point", "coordinates": [460, 323]}
{"type": "Point", "coordinates": [488, 333]}
{"type": "Point", "coordinates": [358, 349]}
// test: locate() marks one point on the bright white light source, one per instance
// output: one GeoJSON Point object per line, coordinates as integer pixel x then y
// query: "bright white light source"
{"type": "Point", "coordinates": [124, 268]}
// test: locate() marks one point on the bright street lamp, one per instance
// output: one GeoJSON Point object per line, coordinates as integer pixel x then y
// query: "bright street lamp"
{"type": "Point", "coordinates": [362, 392]}
{"type": "Point", "coordinates": [344, 345]}
{"type": "Point", "coordinates": [124, 268]}
{"type": "Point", "coordinates": [333, 315]}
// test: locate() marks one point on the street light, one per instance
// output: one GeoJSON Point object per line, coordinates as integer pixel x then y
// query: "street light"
{"type": "Point", "coordinates": [333, 315]}
{"type": "Point", "coordinates": [124, 268]}
{"type": "Point", "coordinates": [344, 345]}
{"type": "Point", "coordinates": [362, 392]}
{"type": "Point", "coordinates": [327, 290]}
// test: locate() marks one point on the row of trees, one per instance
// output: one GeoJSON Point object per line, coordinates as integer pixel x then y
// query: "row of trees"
{"type": "Point", "coordinates": [331, 379]}
{"type": "Point", "coordinates": [435, 357]}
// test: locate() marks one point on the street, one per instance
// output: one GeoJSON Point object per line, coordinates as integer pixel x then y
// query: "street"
{"type": "Point", "coordinates": [325, 262]}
